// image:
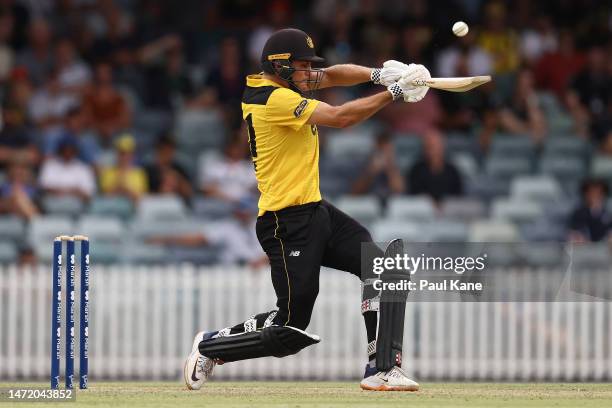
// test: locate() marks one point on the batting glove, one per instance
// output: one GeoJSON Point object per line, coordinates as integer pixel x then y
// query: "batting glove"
{"type": "Point", "coordinates": [415, 72]}
{"type": "Point", "coordinates": [390, 72]}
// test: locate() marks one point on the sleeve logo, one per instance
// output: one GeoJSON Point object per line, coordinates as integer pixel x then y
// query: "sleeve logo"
{"type": "Point", "coordinates": [300, 108]}
{"type": "Point", "coordinates": [309, 42]}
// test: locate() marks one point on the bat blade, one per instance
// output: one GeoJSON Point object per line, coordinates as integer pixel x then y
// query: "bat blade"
{"type": "Point", "coordinates": [458, 84]}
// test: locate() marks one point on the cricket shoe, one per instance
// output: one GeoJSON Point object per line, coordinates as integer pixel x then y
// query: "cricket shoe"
{"type": "Point", "coordinates": [393, 380]}
{"type": "Point", "coordinates": [198, 369]}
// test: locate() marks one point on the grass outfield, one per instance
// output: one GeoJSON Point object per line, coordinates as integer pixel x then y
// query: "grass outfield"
{"type": "Point", "coordinates": [331, 394]}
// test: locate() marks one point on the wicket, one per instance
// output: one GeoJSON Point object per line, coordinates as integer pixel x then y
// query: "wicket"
{"type": "Point", "coordinates": [56, 318]}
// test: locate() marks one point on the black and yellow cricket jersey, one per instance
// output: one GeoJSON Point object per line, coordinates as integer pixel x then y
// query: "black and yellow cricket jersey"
{"type": "Point", "coordinates": [284, 148]}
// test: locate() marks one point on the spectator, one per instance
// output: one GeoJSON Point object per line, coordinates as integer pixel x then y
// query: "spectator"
{"type": "Point", "coordinates": [37, 58]}
{"type": "Point", "coordinates": [73, 75]}
{"type": "Point", "coordinates": [523, 114]}
{"type": "Point", "coordinates": [50, 104]}
{"type": "Point", "coordinates": [554, 70]}
{"type": "Point", "coordinates": [7, 54]}
{"type": "Point", "coordinates": [433, 174]}
{"type": "Point", "coordinates": [591, 221]}
{"type": "Point", "coordinates": [18, 193]}
{"type": "Point", "coordinates": [16, 141]}
{"type": "Point", "coordinates": [125, 178]}
{"type": "Point", "coordinates": [106, 108]}
{"type": "Point", "coordinates": [464, 58]}
{"type": "Point", "coordinates": [165, 174]}
{"type": "Point", "coordinates": [236, 237]}
{"type": "Point", "coordinates": [230, 177]}
{"type": "Point", "coordinates": [499, 40]}
{"type": "Point", "coordinates": [381, 176]}
{"type": "Point", "coordinates": [590, 93]}
{"type": "Point", "coordinates": [65, 174]}
{"type": "Point", "coordinates": [538, 40]}
{"type": "Point", "coordinates": [168, 83]}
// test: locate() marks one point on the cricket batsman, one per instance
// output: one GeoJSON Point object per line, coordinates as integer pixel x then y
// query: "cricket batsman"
{"type": "Point", "coordinates": [298, 230]}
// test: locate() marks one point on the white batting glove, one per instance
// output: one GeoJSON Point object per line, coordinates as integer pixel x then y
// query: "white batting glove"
{"type": "Point", "coordinates": [391, 72]}
{"type": "Point", "coordinates": [414, 72]}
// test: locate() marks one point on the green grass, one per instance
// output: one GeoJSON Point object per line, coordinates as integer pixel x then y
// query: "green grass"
{"type": "Point", "coordinates": [331, 394]}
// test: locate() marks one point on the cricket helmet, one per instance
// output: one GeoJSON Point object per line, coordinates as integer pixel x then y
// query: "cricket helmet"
{"type": "Point", "coordinates": [288, 45]}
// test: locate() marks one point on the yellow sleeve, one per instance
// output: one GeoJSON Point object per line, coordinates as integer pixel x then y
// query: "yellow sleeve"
{"type": "Point", "coordinates": [108, 179]}
{"type": "Point", "coordinates": [288, 108]}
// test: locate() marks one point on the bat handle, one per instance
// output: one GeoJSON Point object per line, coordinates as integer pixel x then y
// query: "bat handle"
{"type": "Point", "coordinates": [420, 82]}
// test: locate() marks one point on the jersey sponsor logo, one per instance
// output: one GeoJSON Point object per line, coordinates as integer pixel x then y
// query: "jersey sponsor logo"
{"type": "Point", "coordinates": [309, 42]}
{"type": "Point", "coordinates": [294, 253]}
{"type": "Point", "coordinates": [300, 108]}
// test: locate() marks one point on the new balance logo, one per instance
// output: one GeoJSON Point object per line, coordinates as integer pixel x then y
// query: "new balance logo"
{"type": "Point", "coordinates": [294, 253]}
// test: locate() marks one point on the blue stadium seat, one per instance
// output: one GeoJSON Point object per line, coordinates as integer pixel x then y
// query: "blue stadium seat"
{"type": "Point", "coordinates": [387, 229]}
{"type": "Point", "coordinates": [535, 188]}
{"type": "Point", "coordinates": [62, 205]}
{"type": "Point", "coordinates": [566, 146]}
{"type": "Point", "coordinates": [45, 229]}
{"type": "Point", "coordinates": [11, 228]}
{"type": "Point", "coordinates": [364, 209]}
{"type": "Point", "coordinates": [544, 230]}
{"type": "Point", "coordinates": [8, 252]}
{"type": "Point", "coordinates": [508, 145]}
{"type": "Point", "coordinates": [446, 230]}
{"type": "Point", "coordinates": [101, 228]}
{"type": "Point", "coordinates": [140, 253]}
{"type": "Point", "coordinates": [466, 164]}
{"type": "Point", "coordinates": [502, 166]}
{"type": "Point", "coordinates": [493, 231]}
{"type": "Point", "coordinates": [601, 167]}
{"type": "Point", "coordinates": [516, 210]}
{"type": "Point", "coordinates": [346, 145]}
{"type": "Point", "coordinates": [407, 145]}
{"type": "Point", "coordinates": [143, 228]}
{"type": "Point", "coordinates": [460, 143]}
{"type": "Point", "coordinates": [207, 255]}
{"type": "Point", "coordinates": [211, 208]}
{"type": "Point", "coordinates": [161, 207]}
{"type": "Point", "coordinates": [105, 252]}
{"type": "Point", "coordinates": [111, 206]}
{"type": "Point", "coordinates": [569, 171]}
{"type": "Point", "coordinates": [590, 256]}
{"type": "Point", "coordinates": [197, 130]}
{"type": "Point", "coordinates": [463, 209]}
{"type": "Point", "coordinates": [417, 208]}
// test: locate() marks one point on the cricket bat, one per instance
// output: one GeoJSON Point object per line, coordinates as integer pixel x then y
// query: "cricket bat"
{"type": "Point", "coordinates": [458, 84]}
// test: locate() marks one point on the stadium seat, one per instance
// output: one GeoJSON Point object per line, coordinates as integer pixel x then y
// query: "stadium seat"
{"type": "Point", "coordinates": [348, 145]}
{"type": "Point", "coordinates": [493, 231]}
{"type": "Point", "coordinates": [45, 229]}
{"type": "Point", "coordinates": [590, 256]}
{"type": "Point", "coordinates": [101, 228]}
{"type": "Point", "coordinates": [407, 145]}
{"type": "Point", "coordinates": [601, 167]}
{"type": "Point", "coordinates": [502, 166]}
{"type": "Point", "coordinates": [364, 209]}
{"type": "Point", "coordinates": [445, 230]}
{"type": "Point", "coordinates": [535, 188]}
{"type": "Point", "coordinates": [542, 255]}
{"type": "Point", "coordinates": [544, 230]}
{"type": "Point", "coordinates": [463, 209]}
{"type": "Point", "coordinates": [8, 252]}
{"type": "Point", "coordinates": [206, 255]}
{"type": "Point", "coordinates": [62, 205]}
{"type": "Point", "coordinates": [515, 210]}
{"type": "Point", "coordinates": [566, 146]}
{"type": "Point", "coordinates": [406, 161]}
{"type": "Point", "coordinates": [152, 121]}
{"type": "Point", "coordinates": [143, 228]}
{"type": "Point", "coordinates": [568, 171]}
{"type": "Point", "coordinates": [161, 207]}
{"type": "Point", "coordinates": [111, 206]}
{"type": "Point", "coordinates": [334, 186]}
{"type": "Point", "coordinates": [211, 208]}
{"type": "Point", "coordinates": [466, 164]}
{"type": "Point", "coordinates": [419, 208]}
{"type": "Point", "coordinates": [387, 229]}
{"type": "Point", "coordinates": [508, 145]}
{"type": "Point", "coordinates": [104, 252]}
{"type": "Point", "coordinates": [199, 130]}
{"type": "Point", "coordinates": [11, 228]}
{"type": "Point", "coordinates": [460, 143]}
{"type": "Point", "coordinates": [141, 253]}
{"type": "Point", "coordinates": [487, 187]}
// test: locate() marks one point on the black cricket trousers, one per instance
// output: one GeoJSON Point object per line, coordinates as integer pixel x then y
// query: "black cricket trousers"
{"type": "Point", "coordinates": [298, 241]}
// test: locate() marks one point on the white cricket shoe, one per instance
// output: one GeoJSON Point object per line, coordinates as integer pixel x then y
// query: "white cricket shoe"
{"type": "Point", "coordinates": [393, 380]}
{"type": "Point", "coordinates": [198, 369]}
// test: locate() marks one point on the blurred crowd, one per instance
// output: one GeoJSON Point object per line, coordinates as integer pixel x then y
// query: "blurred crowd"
{"type": "Point", "coordinates": [93, 91]}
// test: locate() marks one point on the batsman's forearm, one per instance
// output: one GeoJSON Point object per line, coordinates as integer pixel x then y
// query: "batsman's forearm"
{"type": "Point", "coordinates": [362, 109]}
{"type": "Point", "coordinates": [345, 75]}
